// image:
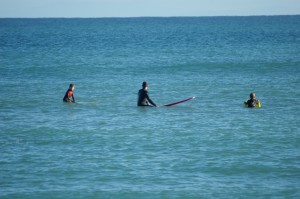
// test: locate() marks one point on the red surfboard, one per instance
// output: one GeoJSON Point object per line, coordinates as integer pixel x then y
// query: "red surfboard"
{"type": "Point", "coordinates": [181, 101]}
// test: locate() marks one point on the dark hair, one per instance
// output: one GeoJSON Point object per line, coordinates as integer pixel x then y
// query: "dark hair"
{"type": "Point", "coordinates": [71, 85]}
{"type": "Point", "coordinates": [145, 84]}
{"type": "Point", "coordinates": [251, 95]}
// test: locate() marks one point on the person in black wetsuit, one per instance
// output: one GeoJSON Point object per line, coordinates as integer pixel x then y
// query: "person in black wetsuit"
{"type": "Point", "coordinates": [143, 97]}
{"type": "Point", "coordinates": [69, 96]}
{"type": "Point", "coordinates": [252, 102]}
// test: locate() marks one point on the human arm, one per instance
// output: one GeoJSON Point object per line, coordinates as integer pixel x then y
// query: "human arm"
{"type": "Point", "coordinates": [73, 99]}
{"type": "Point", "coordinates": [150, 101]}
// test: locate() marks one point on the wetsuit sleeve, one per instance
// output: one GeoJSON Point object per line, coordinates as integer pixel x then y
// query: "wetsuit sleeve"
{"type": "Point", "coordinates": [247, 103]}
{"type": "Point", "coordinates": [73, 98]}
{"type": "Point", "coordinates": [65, 99]}
{"type": "Point", "coordinates": [149, 100]}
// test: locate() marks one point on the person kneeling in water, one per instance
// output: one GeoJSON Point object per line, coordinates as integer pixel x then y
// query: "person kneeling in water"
{"type": "Point", "coordinates": [143, 97]}
{"type": "Point", "coordinates": [252, 102]}
{"type": "Point", "coordinates": [69, 96]}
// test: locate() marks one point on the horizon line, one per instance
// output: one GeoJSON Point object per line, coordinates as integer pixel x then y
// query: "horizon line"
{"type": "Point", "coordinates": [120, 17]}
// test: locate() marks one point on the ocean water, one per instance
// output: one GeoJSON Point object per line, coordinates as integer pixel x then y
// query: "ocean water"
{"type": "Point", "coordinates": [105, 146]}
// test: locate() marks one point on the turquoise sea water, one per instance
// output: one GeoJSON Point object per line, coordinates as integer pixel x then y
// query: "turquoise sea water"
{"type": "Point", "coordinates": [106, 147]}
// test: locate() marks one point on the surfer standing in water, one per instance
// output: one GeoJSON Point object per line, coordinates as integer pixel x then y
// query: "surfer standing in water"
{"type": "Point", "coordinates": [143, 97]}
{"type": "Point", "coordinates": [69, 96]}
{"type": "Point", "coordinates": [252, 102]}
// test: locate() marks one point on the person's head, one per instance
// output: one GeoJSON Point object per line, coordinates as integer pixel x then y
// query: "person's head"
{"type": "Point", "coordinates": [252, 96]}
{"type": "Point", "coordinates": [72, 87]}
{"type": "Point", "coordinates": [145, 85]}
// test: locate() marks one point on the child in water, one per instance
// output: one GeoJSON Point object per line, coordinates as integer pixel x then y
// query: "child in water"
{"type": "Point", "coordinates": [252, 102]}
{"type": "Point", "coordinates": [69, 96]}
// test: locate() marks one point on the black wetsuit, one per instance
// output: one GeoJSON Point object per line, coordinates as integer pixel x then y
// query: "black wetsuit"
{"type": "Point", "coordinates": [251, 102]}
{"type": "Point", "coordinates": [69, 94]}
{"type": "Point", "coordinates": [144, 99]}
